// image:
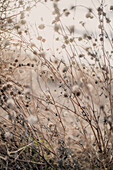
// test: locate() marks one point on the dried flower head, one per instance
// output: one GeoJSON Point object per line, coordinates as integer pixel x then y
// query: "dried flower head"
{"type": "Point", "coordinates": [32, 119]}
{"type": "Point", "coordinates": [23, 22]}
{"type": "Point", "coordinates": [41, 26]}
{"type": "Point", "coordinates": [8, 135]}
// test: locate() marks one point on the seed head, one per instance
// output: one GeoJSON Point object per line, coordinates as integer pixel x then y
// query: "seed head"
{"type": "Point", "coordinates": [32, 119]}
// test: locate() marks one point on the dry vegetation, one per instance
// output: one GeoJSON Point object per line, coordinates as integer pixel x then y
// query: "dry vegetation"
{"type": "Point", "coordinates": [55, 114]}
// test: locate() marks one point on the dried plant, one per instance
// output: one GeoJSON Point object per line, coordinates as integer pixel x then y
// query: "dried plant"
{"type": "Point", "coordinates": [55, 112]}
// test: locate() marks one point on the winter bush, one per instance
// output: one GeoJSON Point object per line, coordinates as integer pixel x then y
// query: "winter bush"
{"type": "Point", "coordinates": [56, 108]}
